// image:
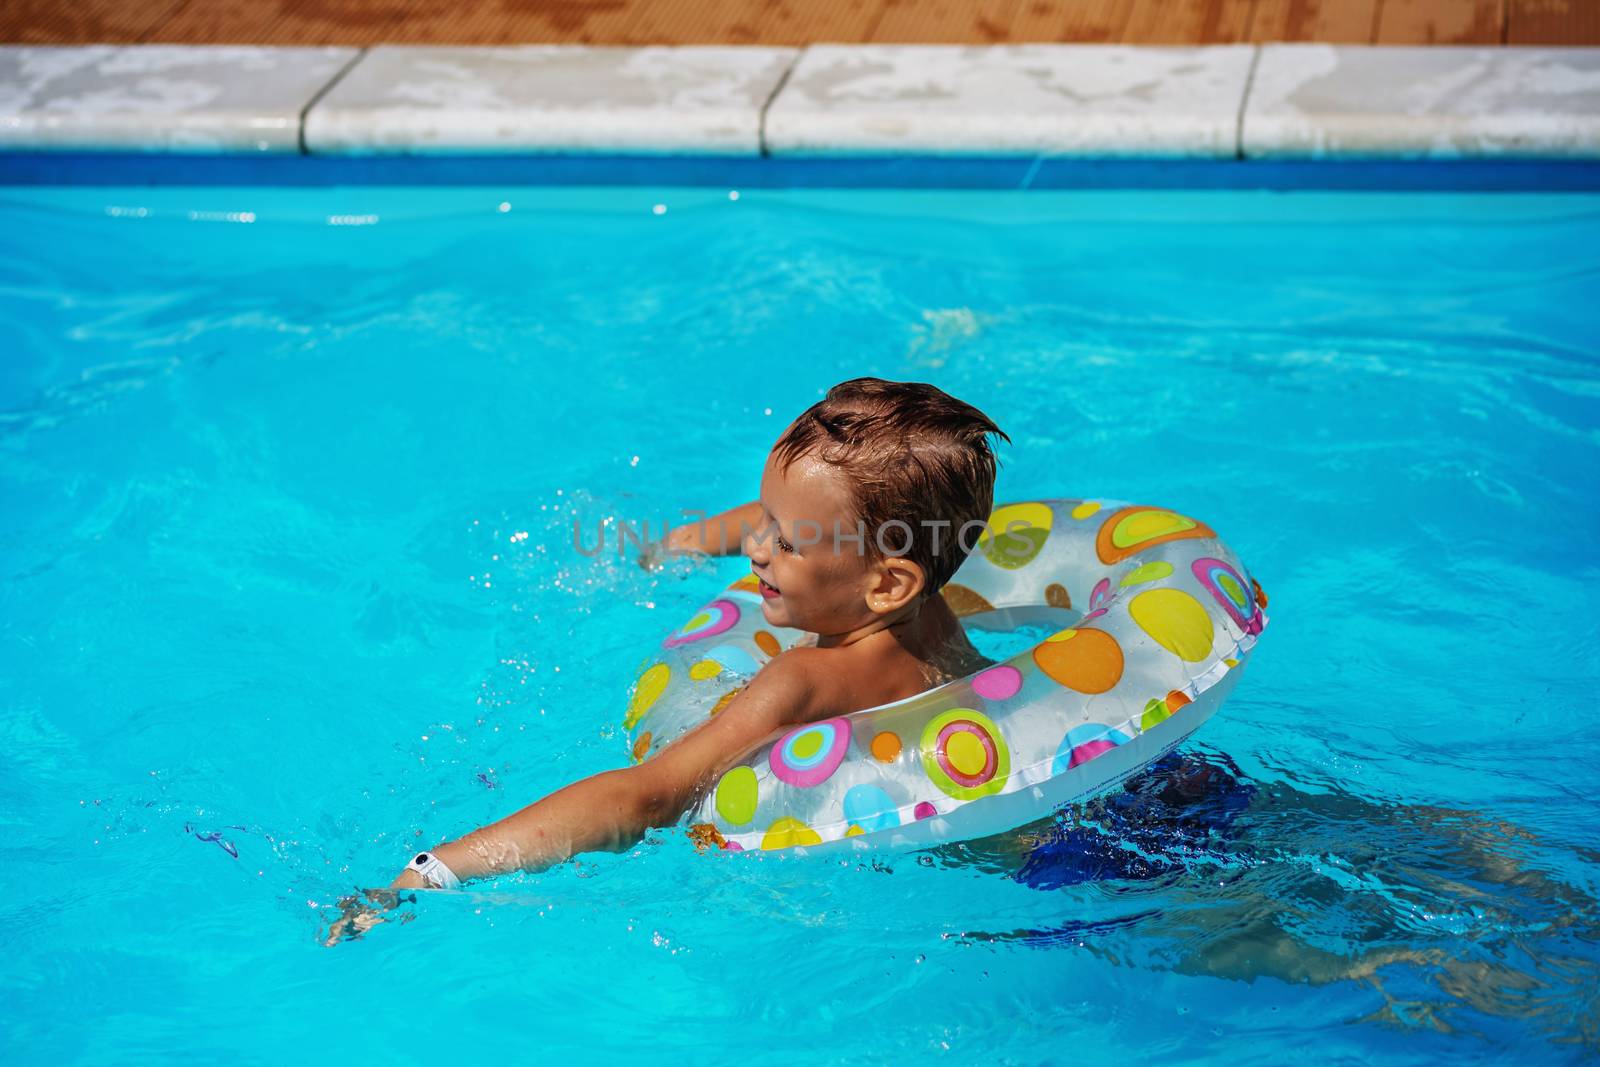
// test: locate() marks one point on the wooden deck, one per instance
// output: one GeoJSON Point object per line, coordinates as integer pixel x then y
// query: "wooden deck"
{"type": "Point", "coordinates": [797, 22]}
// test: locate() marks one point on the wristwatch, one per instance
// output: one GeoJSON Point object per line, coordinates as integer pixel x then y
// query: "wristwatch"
{"type": "Point", "coordinates": [433, 871]}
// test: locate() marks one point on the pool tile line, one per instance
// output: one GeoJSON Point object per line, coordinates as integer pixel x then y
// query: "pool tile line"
{"type": "Point", "coordinates": [322, 92]}
{"type": "Point", "coordinates": [766, 105]}
{"type": "Point", "coordinates": [1025, 102]}
{"type": "Point", "coordinates": [1244, 101]}
{"type": "Point", "coordinates": [1033, 172]}
{"type": "Point", "coordinates": [1055, 173]}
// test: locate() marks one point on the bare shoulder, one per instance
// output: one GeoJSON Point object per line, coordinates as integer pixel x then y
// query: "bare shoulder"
{"type": "Point", "coordinates": [793, 686]}
{"type": "Point", "coordinates": [793, 672]}
{"type": "Point", "coordinates": [787, 691]}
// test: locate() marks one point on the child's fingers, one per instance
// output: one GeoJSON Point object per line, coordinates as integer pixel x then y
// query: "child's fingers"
{"type": "Point", "coordinates": [356, 920]}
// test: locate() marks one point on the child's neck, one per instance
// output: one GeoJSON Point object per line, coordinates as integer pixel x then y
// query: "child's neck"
{"type": "Point", "coordinates": [926, 630]}
{"type": "Point", "coordinates": [906, 620]}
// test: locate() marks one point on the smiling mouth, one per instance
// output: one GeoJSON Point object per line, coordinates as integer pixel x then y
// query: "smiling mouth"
{"type": "Point", "coordinates": [768, 590]}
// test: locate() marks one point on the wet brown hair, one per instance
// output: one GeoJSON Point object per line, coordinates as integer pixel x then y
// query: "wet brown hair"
{"type": "Point", "coordinates": [909, 452]}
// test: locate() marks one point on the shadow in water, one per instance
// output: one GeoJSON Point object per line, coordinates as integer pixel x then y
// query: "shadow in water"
{"type": "Point", "coordinates": [1456, 918]}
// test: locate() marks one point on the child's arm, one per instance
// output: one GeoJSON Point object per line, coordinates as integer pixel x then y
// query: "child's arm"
{"type": "Point", "coordinates": [613, 809]}
{"type": "Point", "coordinates": [715, 535]}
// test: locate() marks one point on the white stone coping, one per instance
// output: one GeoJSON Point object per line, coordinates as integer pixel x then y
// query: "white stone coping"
{"type": "Point", "coordinates": [1085, 101]}
{"type": "Point", "coordinates": [1316, 100]}
{"type": "Point", "coordinates": [550, 98]}
{"type": "Point", "coordinates": [161, 98]}
{"type": "Point", "coordinates": [1094, 100]}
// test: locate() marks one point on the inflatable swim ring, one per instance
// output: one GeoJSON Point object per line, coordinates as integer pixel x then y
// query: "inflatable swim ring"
{"type": "Point", "coordinates": [1152, 616]}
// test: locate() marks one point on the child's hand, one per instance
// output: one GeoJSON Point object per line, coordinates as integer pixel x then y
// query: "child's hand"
{"type": "Point", "coordinates": [654, 555]}
{"type": "Point", "coordinates": [657, 554]}
{"type": "Point", "coordinates": [715, 535]}
{"type": "Point", "coordinates": [358, 917]}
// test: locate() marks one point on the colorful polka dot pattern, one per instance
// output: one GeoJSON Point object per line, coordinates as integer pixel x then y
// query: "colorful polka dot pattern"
{"type": "Point", "coordinates": [965, 754]}
{"type": "Point", "coordinates": [1176, 620]}
{"type": "Point", "coordinates": [964, 601]}
{"type": "Point", "coordinates": [1153, 571]}
{"type": "Point", "coordinates": [870, 808]}
{"type": "Point", "coordinates": [1159, 711]}
{"type": "Point", "coordinates": [737, 794]}
{"type": "Point", "coordinates": [1084, 743]}
{"type": "Point", "coordinates": [808, 756]}
{"type": "Point", "coordinates": [997, 683]}
{"type": "Point", "coordinates": [1087, 660]}
{"type": "Point", "coordinates": [885, 747]}
{"type": "Point", "coordinates": [787, 832]}
{"type": "Point", "coordinates": [718, 617]}
{"type": "Point", "coordinates": [646, 691]}
{"type": "Point", "coordinates": [733, 658]}
{"type": "Point", "coordinates": [1100, 595]}
{"type": "Point", "coordinates": [1130, 531]}
{"type": "Point", "coordinates": [1016, 535]}
{"type": "Point", "coordinates": [1164, 611]}
{"type": "Point", "coordinates": [1230, 590]}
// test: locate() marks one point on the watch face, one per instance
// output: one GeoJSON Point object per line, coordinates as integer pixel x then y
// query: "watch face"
{"type": "Point", "coordinates": [422, 857]}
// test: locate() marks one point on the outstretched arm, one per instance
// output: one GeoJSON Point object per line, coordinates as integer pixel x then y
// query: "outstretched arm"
{"type": "Point", "coordinates": [612, 810]}
{"type": "Point", "coordinates": [716, 535]}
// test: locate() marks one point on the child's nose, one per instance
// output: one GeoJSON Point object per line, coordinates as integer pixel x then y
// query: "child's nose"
{"type": "Point", "coordinates": [755, 545]}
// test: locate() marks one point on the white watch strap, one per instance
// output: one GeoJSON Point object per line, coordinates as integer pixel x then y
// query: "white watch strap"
{"type": "Point", "coordinates": [434, 871]}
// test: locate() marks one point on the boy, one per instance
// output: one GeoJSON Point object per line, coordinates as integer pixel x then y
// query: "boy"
{"type": "Point", "coordinates": [873, 464]}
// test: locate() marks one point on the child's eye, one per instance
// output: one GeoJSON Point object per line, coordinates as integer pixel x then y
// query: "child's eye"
{"type": "Point", "coordinates": [784, 546]}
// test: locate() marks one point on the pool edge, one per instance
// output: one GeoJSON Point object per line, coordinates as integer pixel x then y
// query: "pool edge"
{"type": "Point", "coordinates": [1014, 116]}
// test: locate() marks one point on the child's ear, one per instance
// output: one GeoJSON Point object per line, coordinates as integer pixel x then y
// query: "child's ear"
{"type": "Point", "coordinates": [896, 582]}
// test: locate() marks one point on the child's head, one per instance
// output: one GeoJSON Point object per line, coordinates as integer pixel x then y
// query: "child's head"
{"type": "Point", "coordinates": [873, 497]}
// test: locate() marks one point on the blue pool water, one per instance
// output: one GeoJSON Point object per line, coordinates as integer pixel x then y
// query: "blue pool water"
{"type": "Point", "coordinates": [287, 588]}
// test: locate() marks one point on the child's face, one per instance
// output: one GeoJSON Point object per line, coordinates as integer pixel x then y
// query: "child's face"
{"type": "Point", "coordinates": [810, 580]}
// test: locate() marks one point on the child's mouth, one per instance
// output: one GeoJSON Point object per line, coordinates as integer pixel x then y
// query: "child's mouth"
{"type": "Point", "coordinates": [767, 589]}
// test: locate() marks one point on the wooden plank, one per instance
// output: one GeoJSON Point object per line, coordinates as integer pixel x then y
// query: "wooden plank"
{"type": "Point", "coordinates": [1327, 21]}
{"type": "Point", "coordinates": [1002, 21]}
{"type": "Point", "coordinates": [501, 22]}
{"type": "Point", "coordinates": [1571, 22]}
{"type": "Point", "coordinates": [535, 21]}
{"type": "Point", "coordinates": [1188, 22]}
{"type": "Point", "coordinates": [80, 22]}
{"type": "Point", "coordinates": [797, 22]}
{"type": "Point", "coordinates": [1441, 22]}
{"type": "Point", "coordinates": [945, 22]}
{"type": "Point", "coordinates": [770, 22]}
{"type": "Point", "coordinates": [663, 22]}
{"type": "Point", "coordinates": [362, 22]}
{"type": "Point", "coordinates": [1067, 21]}
{"type": "Point", "coordinates": [1094, 21]}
